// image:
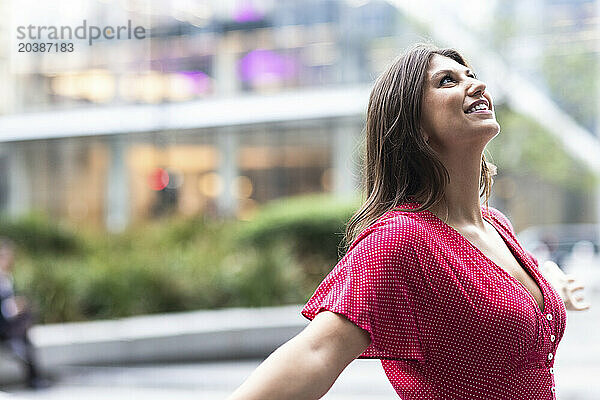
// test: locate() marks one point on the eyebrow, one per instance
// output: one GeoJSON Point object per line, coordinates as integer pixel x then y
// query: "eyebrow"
{"type": "Point", "coordinates": [447, 71]}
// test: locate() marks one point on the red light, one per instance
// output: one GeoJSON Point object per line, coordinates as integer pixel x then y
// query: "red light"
{"type": "Point", "coordinates": [158, 179]}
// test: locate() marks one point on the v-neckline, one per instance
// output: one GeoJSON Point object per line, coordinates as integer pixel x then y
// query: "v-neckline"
{"type": "Point", "coordinates": [516, 254]}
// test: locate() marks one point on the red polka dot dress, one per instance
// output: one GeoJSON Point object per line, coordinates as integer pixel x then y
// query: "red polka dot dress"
{"type": "Point", "coordinates": [445, 320]}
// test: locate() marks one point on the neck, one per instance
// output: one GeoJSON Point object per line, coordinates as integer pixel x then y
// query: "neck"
{"type": "Point", "coordinates": [461, 205]}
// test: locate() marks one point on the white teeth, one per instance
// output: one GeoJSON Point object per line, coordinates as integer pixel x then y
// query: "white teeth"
{"type": "Point", "coordinates": [480, 106]}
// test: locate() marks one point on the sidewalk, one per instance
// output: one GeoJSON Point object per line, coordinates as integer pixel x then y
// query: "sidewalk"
{"type": "Point", "coordinates": [362, 379]}
{"type": "Point", "coordinates": [178, 337]}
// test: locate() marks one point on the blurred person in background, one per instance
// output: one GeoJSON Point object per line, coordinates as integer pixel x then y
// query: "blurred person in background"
{"type": "Point", "coordinates": [433, 284]}
{"type": "Point", "coordinates": [16, 317]}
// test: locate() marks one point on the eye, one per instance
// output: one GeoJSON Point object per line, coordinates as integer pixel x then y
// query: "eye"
{"type": "Point", "coordinates": [446, 78]}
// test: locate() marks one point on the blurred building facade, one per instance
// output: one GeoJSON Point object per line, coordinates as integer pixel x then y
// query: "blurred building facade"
{"type": "Point", "coordinates": [555, 44]}
{"type": "Point", "coordinates": [200, 117]}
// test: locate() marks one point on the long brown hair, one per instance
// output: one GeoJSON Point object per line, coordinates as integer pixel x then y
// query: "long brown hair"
{"type": "Point", "coordinates": [398, 165]}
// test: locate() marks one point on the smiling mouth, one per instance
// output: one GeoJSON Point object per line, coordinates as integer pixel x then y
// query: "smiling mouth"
{"type": "Point", "coordinates": [481, 107]}
{"type": "Point", "coordinates": [483, 111]}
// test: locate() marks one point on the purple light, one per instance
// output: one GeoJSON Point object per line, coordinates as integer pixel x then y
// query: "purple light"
{"type": "Point", "coordinates": [198, 80]}
{"type": "Point", "coordinates": [246, 12]}
{"type": "Point", "coordinates": [265, 66]}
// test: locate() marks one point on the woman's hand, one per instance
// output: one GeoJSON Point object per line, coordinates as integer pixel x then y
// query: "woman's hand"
{"type": "Point", "coordinates": [574, 301]}
{"type": "Point", "coordinates": [567, 286]}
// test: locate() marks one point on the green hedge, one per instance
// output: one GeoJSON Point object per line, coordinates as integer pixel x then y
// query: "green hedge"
{"type": "Point", "coordinates": [312, 224]}
{"type": "Point", "coordinates": [37, 234]}
{"type": "Point", "coordinates": [180, 264]}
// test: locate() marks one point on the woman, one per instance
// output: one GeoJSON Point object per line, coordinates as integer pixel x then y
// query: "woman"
{"type": "Point", "coordinates": [433, 284]}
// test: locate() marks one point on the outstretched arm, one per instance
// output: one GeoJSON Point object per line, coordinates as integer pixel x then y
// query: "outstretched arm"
{"type": "Point", "coordinates": [307, 365]}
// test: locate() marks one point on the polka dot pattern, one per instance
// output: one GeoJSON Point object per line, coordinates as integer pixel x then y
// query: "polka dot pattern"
{"type": "Point", "coordinates": [445, 320]}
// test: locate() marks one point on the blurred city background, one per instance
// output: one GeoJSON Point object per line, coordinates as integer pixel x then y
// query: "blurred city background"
{"type": "Point", "coordinates": [175, 199]}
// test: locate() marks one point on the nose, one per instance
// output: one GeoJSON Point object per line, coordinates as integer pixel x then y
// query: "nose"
{"type": "Point", "coordinates": [477, 88]}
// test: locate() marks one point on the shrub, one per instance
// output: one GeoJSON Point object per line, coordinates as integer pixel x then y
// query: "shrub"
{"type": "Point", "coordinates": [177, 265]}
{"type": "Point", "coordinates": [37, 234]}
{"type": "Point", "coordinates": [313, 224]}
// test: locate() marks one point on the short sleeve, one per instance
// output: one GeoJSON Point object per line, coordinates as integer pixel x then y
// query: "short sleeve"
{"type": "Point", "coordinates": [373, 286]}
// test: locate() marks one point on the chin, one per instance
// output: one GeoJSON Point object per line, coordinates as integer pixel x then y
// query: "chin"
{"type": "Point", "coordinates": [490, 136]}
{"type": "Point", "coordinates": [492, 128]}
{"type": "Point", "coordinates": [496, 128]}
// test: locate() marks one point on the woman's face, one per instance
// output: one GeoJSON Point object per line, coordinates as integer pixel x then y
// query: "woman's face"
{"type": "Point", "coordinates": [449, 121]}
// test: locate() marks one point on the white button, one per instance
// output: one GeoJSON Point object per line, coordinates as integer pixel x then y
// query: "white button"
{"type": "Point", "coordinates": [550, 355]}
{"type": "Point", "coordinates": [549, 317]}
{"type": "Point", "coordinates": [552, 338]}
{"type": "Point", "coordinates": [551, 370]}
